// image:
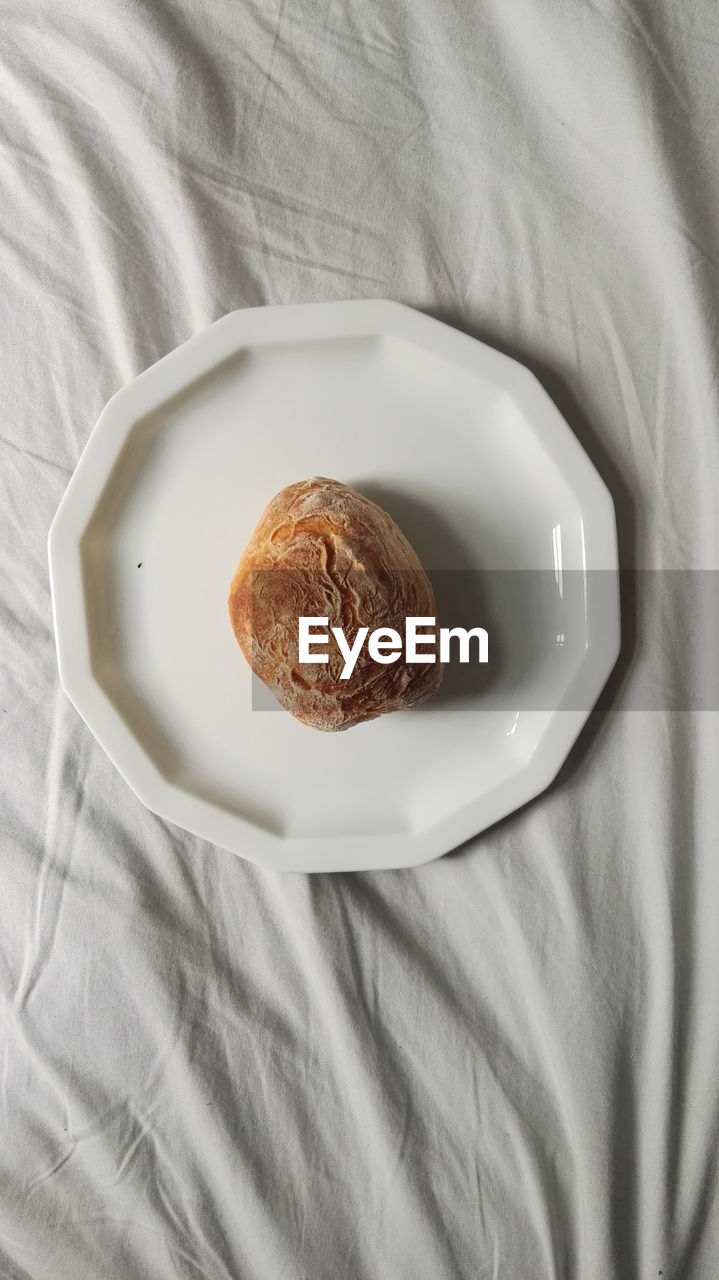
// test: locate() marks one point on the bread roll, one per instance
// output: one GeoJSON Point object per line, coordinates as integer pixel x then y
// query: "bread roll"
{"type": "Point", "coordinates": [322, 550]}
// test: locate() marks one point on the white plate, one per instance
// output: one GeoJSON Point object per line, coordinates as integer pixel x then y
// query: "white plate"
{"type": "Point", "coordinates": [464, 448]}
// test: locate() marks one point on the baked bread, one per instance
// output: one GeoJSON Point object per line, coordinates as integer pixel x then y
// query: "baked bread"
{"type": "Point", "coordinates": [323, 550]}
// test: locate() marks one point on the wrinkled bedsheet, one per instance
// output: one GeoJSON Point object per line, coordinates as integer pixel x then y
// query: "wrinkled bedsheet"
{"type": "Point", "coordinates": [505, 1064]}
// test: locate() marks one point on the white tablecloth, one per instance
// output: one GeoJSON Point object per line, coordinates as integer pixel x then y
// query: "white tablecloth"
{"type": "Point", "coordinates": [504, 1064]}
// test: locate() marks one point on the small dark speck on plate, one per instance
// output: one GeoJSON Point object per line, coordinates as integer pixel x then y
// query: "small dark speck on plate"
{"type": "Point", "coordinates": [140, 565]}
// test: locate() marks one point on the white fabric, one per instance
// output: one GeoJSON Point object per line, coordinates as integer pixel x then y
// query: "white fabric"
{"type": "Point", "coordinates": [504, 1064]}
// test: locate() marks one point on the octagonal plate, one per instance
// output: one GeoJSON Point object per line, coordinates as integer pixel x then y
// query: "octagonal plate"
{"type": "Point", "coordinates": [467, 452]}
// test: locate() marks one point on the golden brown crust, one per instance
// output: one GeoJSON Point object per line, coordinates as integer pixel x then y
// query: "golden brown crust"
{"type": "Point", "coordinates": [341, 557]}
